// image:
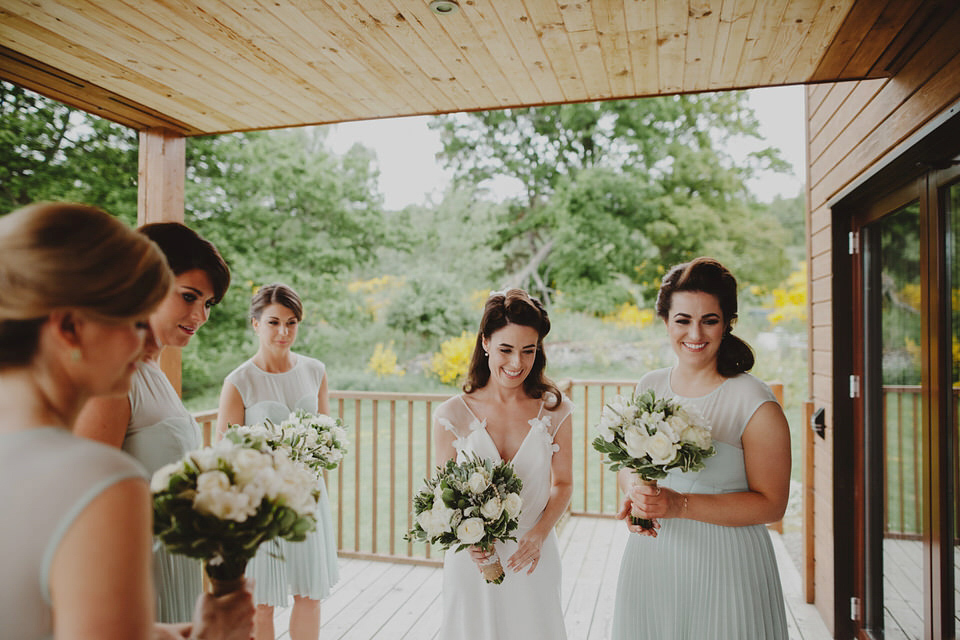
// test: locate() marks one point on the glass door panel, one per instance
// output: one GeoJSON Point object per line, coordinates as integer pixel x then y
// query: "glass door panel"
{"type": "Point", "coordinates": [952, 208]}
{"type": "Point", "coordinates": [894, 447]}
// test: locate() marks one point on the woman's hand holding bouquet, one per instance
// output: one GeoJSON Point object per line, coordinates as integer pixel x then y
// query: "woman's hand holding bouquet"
{"type": "Point", "coordinates": [474, 503]}
{"type": "Point", "coordinates": [651, 435]}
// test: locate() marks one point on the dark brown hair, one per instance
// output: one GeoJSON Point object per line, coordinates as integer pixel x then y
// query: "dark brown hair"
{"type": "Point", "coordinates": [514, 306]}
{"type": "Point", "coordinates": [280, 294]}
{"type": "Point", "coordinates": [706, 275]}
{"type": "Point", "coordinates": [187, 250]}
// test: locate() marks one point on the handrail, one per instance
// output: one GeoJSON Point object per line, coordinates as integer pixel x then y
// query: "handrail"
{"type": "Point", "coordinates": [391, 453]}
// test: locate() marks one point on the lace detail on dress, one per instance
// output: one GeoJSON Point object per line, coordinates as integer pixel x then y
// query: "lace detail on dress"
{"type": "Point", "coordinates": [461, 441]}
{"type": "Point", "coordinates": [541, 427]}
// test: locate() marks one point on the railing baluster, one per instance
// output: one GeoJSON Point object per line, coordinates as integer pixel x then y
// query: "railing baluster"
{"type": "Point", "coordinates": [356, 486]}
{"type": "Point", "coordinates": [340, 411]}
{"type": "Point", "coordinates": [429, 465]}
{"type": "Point", "coordinates": [917, 463]}
{"type": "Point", "coordinates": [375, 458]}
{"type": "Point", "coordinates": [410, 445]}
{"type": "Point", "coordinates": [393, 476]}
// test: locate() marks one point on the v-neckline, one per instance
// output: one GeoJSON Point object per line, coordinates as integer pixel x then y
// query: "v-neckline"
{"type": "Point", "coordinates": [482, 424]}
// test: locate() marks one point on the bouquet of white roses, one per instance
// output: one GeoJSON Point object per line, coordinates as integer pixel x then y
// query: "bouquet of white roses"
{"type": "Point", "coordinates": [473, 503]}
{"type": "Point", "coordinates": [220, 503]}
{"type": "Point", "coordinates": [652, 435]}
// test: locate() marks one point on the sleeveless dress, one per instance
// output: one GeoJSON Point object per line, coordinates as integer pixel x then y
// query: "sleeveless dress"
{"type": "Point", "coordinates": [56, 475]}
{"type": "Point", "coordinates": [522, 606]}
{"type": "Point", "coordinates": [161, 431]}
{"type": "Point", "coordinates": [700, 580]}
{"type": "Point", "coordinates": [308, 568]}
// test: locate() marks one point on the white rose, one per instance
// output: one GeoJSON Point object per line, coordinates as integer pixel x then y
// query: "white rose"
{"type": "Point", "coordinates": [436, 521]}
{"type": "Point", "coordinates": [226, 505]}
{"type": "Point", "coordinates": [470, 531]}
{"type": "Point", "coordinates": [477, 482]}
{"type": "Point", "coordinates": [161, 477]}
{"type": "Point", "coordinates": [247, 463]}
{"type": "Point", "coordinates": [608, 420]}
{"type": "Point", "coordinates": [213, 481]}
{"type": "Point", "coordinates": [701, 437]}
{"type": "Point", "coordinates": [677, 426]}
{"type": "Point", "coordinates": [205, 458]}
{"type": "Point", "coordinates": [635, 441]}
{"type": "Point", "coordinates": [661, 449]}
{"type": "Point", "coordinates": [492, 508]}
{"type": "Point", "coordinates": [339, 434]}
{"type": "Point", "coordinates": [512, 504]}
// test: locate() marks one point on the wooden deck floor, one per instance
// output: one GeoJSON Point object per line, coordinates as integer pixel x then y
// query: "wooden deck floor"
{"type": "Point", "coordinates": [384, 601]}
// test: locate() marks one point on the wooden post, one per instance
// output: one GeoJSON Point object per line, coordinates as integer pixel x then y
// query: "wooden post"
{"type": "Point", "coordinates": [160, 187]}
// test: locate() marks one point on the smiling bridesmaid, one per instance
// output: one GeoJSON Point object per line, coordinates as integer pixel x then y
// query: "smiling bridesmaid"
{"type": "Point", "coordinates": [150, 422]}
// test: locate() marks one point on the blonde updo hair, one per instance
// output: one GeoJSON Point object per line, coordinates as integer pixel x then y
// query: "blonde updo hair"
{"type": "Point", "coordinates": [59, 255]}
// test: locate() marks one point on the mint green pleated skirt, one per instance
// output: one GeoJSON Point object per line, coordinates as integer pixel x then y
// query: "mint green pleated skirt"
{"type": "Point", "coordinates": [178, 581]}
{"type": "Point", "coordinates": [308, 568]}
{"type": "Point", "coordinates": [698, 580]}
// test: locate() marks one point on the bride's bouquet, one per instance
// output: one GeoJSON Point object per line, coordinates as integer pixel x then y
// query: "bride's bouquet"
{"type": "Point", "coordinates": [472, 503]}
{"type": "Point", "coordinates": [651, 435]}
{"type": "Point", "coordinates": [220, 503]}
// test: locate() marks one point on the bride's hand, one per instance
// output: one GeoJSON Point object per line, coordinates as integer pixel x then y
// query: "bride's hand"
{"type": "Point", "coordinates": [479, 556]}
{"type": "Point", "coordinates": [528, 552]}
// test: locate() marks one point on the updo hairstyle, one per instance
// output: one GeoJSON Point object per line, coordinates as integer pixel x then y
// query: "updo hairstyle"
{"type": "Point", "coordinates": [513, 306]}
{"type": "Point", "coordinates": [706, 275]}
{"type": "Point", "coordinates": [280, 294]}
{"type": "Point", "coordinates": [58, 256]}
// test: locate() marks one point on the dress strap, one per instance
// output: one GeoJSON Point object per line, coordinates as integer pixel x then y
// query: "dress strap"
{"type": "Point", "coordinates": [467, 407]}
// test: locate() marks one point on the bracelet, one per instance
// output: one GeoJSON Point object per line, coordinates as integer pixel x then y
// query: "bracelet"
{"type": "Point", "coordinates": [686, 503]}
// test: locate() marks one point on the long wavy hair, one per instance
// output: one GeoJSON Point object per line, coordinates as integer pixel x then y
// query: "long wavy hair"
{"type": "Point", "coordinates": [514, 306]}
{"type": "Point", "coordinates": [707, 275]}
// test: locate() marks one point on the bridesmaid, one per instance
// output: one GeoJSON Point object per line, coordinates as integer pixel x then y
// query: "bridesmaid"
{"type": "Point", "coordinates": [150, 422]}
{"type": "Point", "coordinates": [708, 570]}
{"type": "Point", "coordinates": [75, 538]}
{"type": "Point", "coordinates": [270, 385]}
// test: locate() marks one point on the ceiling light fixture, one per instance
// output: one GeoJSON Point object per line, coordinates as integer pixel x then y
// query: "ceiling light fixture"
{"type": "Point", "coordinates": [444, 7]}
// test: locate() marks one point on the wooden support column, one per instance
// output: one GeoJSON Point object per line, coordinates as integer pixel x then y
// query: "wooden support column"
{"type": "Point", "coordinates": [160, 186]}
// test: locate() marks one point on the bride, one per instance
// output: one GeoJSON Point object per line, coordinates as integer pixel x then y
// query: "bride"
{"type": "Point", "coordinates": [510, 411]}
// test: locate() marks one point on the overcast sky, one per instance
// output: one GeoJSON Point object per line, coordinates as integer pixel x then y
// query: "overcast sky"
{"type": "Point", "coordinates": [409, 173]}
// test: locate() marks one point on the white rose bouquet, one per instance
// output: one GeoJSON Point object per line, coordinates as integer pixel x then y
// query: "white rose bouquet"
{"type": "Point", "coordinates": [220, 503]}
{"type": "Point", "coordinates": [473, 503]}
{"type": "Point", "coordinates": [652, 435]}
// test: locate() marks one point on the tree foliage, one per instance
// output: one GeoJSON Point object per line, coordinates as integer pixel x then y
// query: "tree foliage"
{"type": "Point", "coordinates": [617, 191]}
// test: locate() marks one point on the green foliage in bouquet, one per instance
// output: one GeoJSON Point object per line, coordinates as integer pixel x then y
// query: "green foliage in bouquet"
{"type": "Point", "coordinates": [652, 435]}
{"type": "Point", "coordinates": [473, 503]}
{"type": "Point", "coordinates": [315, 439]}
{"type": "Point", "coordinates": [219, 504]}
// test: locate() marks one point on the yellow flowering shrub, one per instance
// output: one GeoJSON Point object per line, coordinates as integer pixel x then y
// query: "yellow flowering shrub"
{"type": "Point", "coordinates": [629, 315]}
{"type": "Point", "coordinates": [383, 362]}
{"type": "Point", "coordinates": [376, 292]}
{"type": "Point", "coordinates": [450, 364]}
{"type": "Point", "coordinates": [790, 300]}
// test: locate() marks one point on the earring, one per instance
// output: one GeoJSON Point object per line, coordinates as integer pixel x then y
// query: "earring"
{"type": "Point", "coordinates": [76, 354]}
{"type": "Point", "coordinates": [486, 355]}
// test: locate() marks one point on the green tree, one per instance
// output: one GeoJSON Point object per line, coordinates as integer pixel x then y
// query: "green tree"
{"type": "Point", "coordinates": [616, 191]}
{"type": "Point", "coordinates": [49, 151]}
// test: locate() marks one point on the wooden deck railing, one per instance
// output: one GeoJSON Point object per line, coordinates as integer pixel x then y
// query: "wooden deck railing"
{"type": "Point", "coordinates": [391, 452]}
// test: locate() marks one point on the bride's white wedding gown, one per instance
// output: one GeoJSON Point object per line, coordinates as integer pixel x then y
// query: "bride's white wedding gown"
{"type": "Point", "coordinates": [522, 606]}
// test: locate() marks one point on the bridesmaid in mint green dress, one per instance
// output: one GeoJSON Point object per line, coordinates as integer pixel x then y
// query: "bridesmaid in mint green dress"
{"type": "Point", "coordinates": [707, 569]}
{"type": "Point", "coordinates": [150, 422]}
{"type": "Point", "coordinates": [270, 385]}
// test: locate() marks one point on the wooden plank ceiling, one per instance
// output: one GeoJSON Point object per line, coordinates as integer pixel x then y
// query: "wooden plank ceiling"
{"type": "Point", "coordinates": [214, 66]}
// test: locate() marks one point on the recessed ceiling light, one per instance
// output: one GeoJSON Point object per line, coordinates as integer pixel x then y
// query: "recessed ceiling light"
{"type": "Point", "coordinates": [444, 7]}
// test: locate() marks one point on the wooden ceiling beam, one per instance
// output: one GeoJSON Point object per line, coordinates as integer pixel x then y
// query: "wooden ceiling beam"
{"type": "Point", "coordinates": [53, 83]}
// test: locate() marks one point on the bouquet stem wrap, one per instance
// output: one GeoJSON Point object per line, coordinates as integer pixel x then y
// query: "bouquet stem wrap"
{"type": "Point", "coordinates": [644, 523]}
{"type": "Point", "coordinates": [221, 587]}
{"type": "Point", "coordinates": [492, 569]}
